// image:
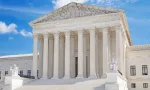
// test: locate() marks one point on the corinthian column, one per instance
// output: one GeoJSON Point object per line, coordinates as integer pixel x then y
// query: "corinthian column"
{"type": "Point", "coordinates": [72, 56]}
{"type": "Point", "coordinates": [80, 54]}
{"type": "Point", "coordinates": [105, 50]}
{"type": "Point", "coordinates": [41, 58]}
{"type": "Point", "coordinates": [118, 47]}
{"type": "Point", "coordinates": [56, 56]}
{"type": "Point", "coordinates": [92, 54]}
{"type": "Point", "coordinates": [35, 55]}
{"type": "Point", "coordinates": [45, 57]}
{"type": "Point", "coordinates": [51, 56]}
{"type": "Point", "coordinates": [67, 55]}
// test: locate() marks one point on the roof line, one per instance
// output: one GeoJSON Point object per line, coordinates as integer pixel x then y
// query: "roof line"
{"type": "Point", "coordinates": [72, 3]}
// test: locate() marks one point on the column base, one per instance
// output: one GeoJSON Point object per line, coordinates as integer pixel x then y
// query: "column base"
{"type": "Point", "coordinates": [80, 76]}
{"type": "Point", "coordinates": [55, 78]}
{"type": "Point", "coordinates": [35, 77]}
{"type": "Point", "coordinates": [44, 78]}
{"type": "Point", "coordinates": [92, 77]}
{"type": "Point", "coordinates": [66, 77]}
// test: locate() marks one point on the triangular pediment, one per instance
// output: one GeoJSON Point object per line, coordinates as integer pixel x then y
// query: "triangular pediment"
{"type": "Point", "coordinates": [74, 10]}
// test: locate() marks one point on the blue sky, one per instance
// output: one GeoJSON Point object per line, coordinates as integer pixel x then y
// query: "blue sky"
{"type": "Point", "coordinates": [16, 34]}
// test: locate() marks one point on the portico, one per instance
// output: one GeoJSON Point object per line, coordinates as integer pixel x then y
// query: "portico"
{"type": "Point", "coordinates": [78, 45]}
{"type": "Point", "coordinates": [60, 49]}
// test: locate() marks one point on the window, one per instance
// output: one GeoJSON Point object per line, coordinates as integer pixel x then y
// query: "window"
{"type": "Point", "coordinates": [145, 85]}
{"type": "Point", "coordinates": [132, 70]}
{"type": "Point", "coordinates": [133, 85]}
{"type": "Point", "coordinates": [144, 70]}
{"type": "Point", "coordinates": [0, 74]}
{"type": "Point", "coordinates": [21, 73]}
{"type": "Point", "coordinates": [29, 73]}
{"type": "Point", "coordinates": [6, 72]}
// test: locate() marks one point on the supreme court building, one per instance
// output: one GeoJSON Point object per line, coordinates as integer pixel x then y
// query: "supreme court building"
{"type": "Point", "coordinates": [79, 41]}
{"type": "Point", "coordinates": [74, 47]}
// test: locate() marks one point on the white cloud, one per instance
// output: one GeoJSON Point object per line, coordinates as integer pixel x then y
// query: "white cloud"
{"type": "Point", "coordinates": [25, 10]}
{"type": "Point", "coordinates": [25, 33]}
{"type": "Point", "coordinates": [60, 3]}
{"type": "Point", "coordinates": [7, 28]}
{"type": "Point", "coordinates": [12, 28]}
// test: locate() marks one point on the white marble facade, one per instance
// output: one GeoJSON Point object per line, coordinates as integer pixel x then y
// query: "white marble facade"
{"type": "Point", "coordinates": [80, 46]}
{"type": "Point", "coordinates": [79, 41]}
{"type": "Point", "coordinates": [92, 50]}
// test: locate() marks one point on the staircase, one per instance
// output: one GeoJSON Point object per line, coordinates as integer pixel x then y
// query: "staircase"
{"type": "Point", "coordinates": [65, 84]}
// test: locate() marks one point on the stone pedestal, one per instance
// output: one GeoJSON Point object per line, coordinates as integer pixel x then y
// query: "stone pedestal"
{"type": "Point", "coordinates": [115, 81]}
{"type": "Point", "coordinates": [15, 82]}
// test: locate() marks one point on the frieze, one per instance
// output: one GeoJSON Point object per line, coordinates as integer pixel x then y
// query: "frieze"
{"type": "Point", "coordinates": [75, 22]}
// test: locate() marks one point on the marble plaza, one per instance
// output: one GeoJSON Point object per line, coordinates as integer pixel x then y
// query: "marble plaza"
{"type": "Point", "coordinates": [80, 47]}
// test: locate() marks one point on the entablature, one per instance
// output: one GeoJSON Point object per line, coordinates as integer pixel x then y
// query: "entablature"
{"type": "Point", "coordinates": [77, 24]}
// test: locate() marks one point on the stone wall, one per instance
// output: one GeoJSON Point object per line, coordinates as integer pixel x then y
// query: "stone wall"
{"type": "Point", "coordinates": [138, 56]}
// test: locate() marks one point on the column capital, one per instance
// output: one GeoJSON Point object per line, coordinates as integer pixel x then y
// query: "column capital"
{"type": "Point", "coordinates": [105, 29]}
{"type": "Point", "coordinates": [80, 31]}
{"type": "Point", "coordinates": [61, 35]}
{"type": "Point", "coordinates": [92, 31]}
{"type": "Point", "coordinates": [35, 35]}
{"type": "Point", "coordinates": [117, 28]}
{"type": "Point", "coordinates": [45, 35]}
{"type": "Point", "coordinates": [67, 33]}
{"type": "Point", "coordinates": [72, 36]}
{"type": "Point", "coordinates": [51, 36]}
{"type": "Point", "coordinates": [56, 33]}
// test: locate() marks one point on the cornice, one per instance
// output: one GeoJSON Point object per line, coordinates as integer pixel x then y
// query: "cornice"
{"type": "Point", "coordinates": [74, 22]}
{"type": "Point", "coordinates": [138, 48]}
{"type": "Point", "coordinates": [126, 27]}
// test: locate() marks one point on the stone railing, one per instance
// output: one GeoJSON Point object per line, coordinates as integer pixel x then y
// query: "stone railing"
{"type": "Point", "coordinates": [138, 48]}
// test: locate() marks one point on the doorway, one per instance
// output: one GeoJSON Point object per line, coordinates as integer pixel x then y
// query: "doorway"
{"type": "Point", "coordinates": [76, 66]}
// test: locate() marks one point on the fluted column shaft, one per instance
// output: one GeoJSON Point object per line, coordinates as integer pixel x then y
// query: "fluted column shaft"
{"type": "Point", "coordinates": [56, 56]}
{"type": "Point", "coordinates": [61, 56]}
{"type": "Point", "coordinates": [41, 58]}
{"type": "Point", "coordinates": [118, 48]}
{"type": "Point", "coordinates": [67, 55]}
{"type": "Point", "coordinates": [80, 54]}
{"type": "Point", "coordinates": [35, 56]}
{"type": "Point", "coordinates": [92, 54]}
{"type": "Point", "coordinates": [51, 56]}
{"type": "Point", "coordinates": [105, 50]}
{"type": "Point", "coordinates": [84, 57]}
{"type": "Point", "coordinates": [45, 57]}
{"type": "Point", "coordinates": [72, 61]}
